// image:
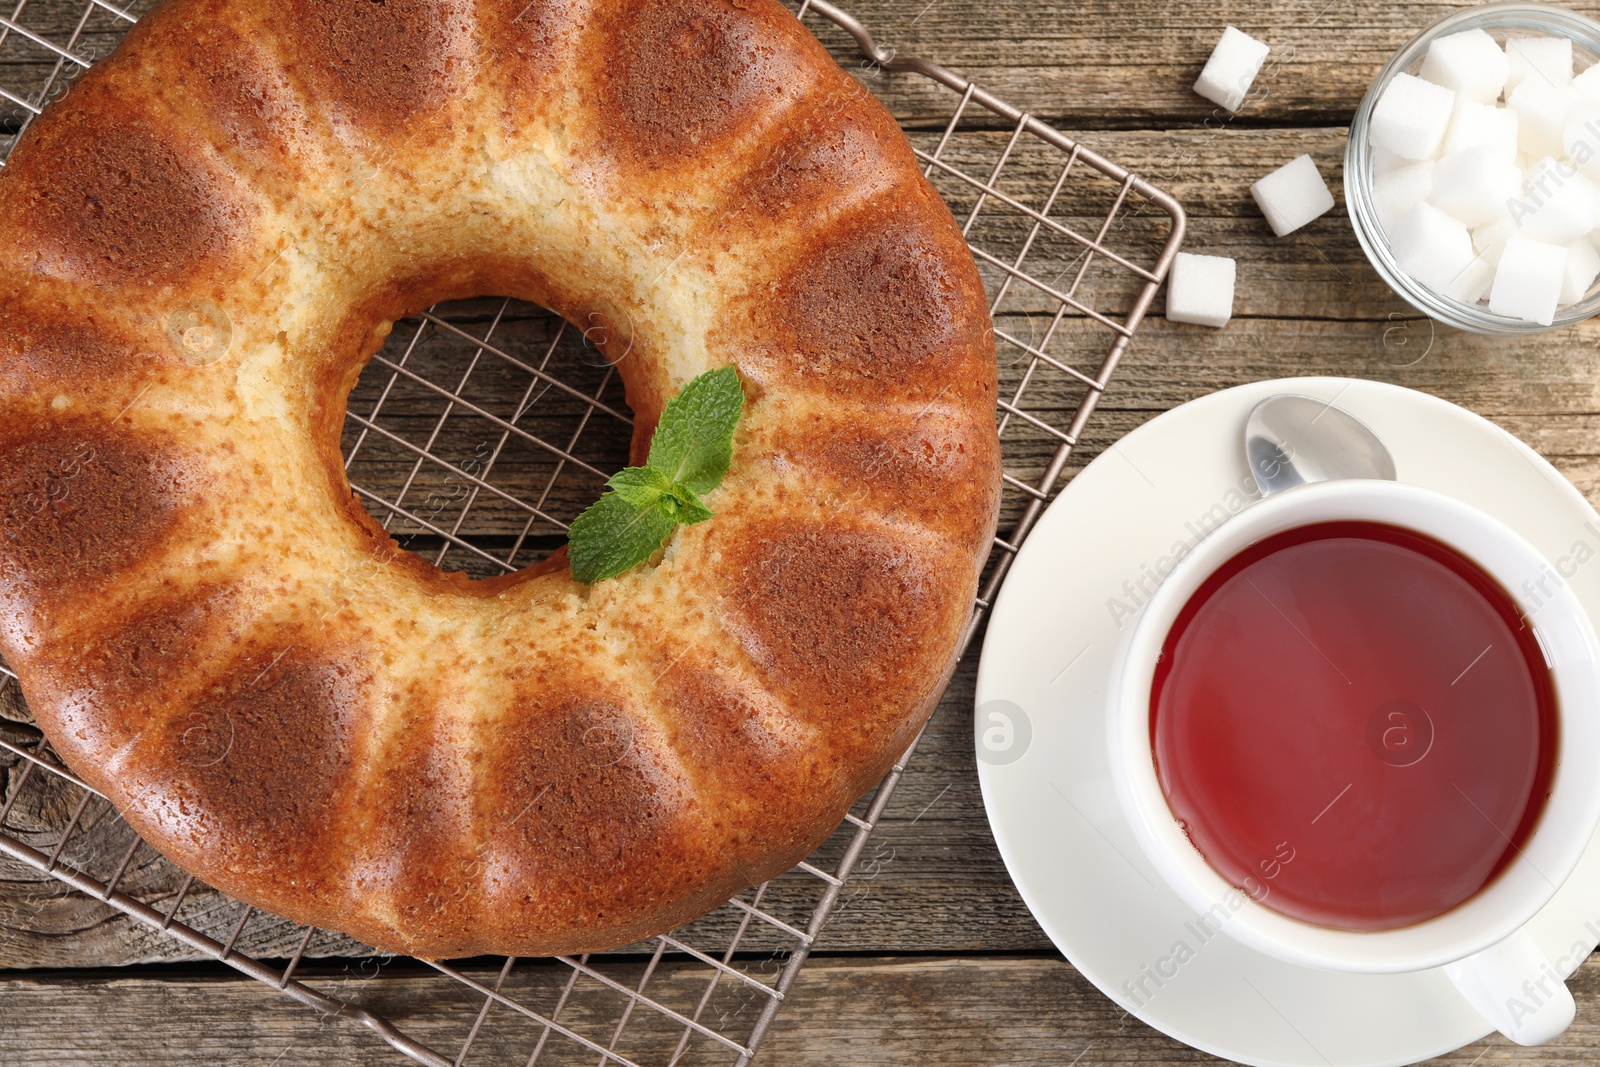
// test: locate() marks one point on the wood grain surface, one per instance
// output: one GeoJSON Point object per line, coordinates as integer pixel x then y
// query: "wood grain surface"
{"type": "Point", "coordinates": [893, 1010]}
{"type": "Point", "coordinates": [932, 958]}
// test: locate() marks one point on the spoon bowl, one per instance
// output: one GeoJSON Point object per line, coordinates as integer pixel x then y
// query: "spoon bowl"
{"type": "Point", "coordinates": [1291, 440]}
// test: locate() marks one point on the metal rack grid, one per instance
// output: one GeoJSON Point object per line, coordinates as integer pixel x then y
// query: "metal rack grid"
{"type": "Point", "coordinates": [473, 403]}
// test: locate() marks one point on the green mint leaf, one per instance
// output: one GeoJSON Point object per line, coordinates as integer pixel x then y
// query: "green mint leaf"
{"type": "Point", "coordinates": [614, 536]}
{"type": "Point", "coordinates": [689, 456]}
{"type": "Point", "coordinates": [683, 507]}
{"type": "Point", "coordinates": [693, 445]}
{"type": "Point", "coordinates": [640, 486]}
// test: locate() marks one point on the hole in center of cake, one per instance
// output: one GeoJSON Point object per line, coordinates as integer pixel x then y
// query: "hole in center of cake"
{"type": "Point", "coordinates": [482, 428]}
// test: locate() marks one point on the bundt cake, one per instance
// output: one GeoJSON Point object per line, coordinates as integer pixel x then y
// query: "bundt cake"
{"type": "Point", "coordinates": [203, 242]}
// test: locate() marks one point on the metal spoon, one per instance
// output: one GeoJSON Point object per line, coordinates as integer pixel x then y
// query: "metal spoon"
{"type": "Point", "coordinates": [1290, 440]}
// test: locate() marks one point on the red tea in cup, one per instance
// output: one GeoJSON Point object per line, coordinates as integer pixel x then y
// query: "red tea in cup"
{"type": "Point", "coordinates": [1354, 724]}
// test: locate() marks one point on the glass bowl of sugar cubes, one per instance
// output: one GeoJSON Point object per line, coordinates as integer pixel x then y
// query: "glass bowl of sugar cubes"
{"type": "Point", "coordinates": [1472, 174]}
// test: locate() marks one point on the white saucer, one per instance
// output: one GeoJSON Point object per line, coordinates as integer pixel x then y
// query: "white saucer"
{"type": "Point", "coordinates": [1049, 795]}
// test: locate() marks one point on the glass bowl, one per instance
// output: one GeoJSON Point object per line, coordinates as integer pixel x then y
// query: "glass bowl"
{"type": "Point", "coordinates": [1499, 21]}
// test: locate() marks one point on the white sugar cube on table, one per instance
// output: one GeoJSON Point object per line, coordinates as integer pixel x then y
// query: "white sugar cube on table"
{"type": "Point", "coordinates": [1527, 284]}
{"type": "Point", "coordinates": [1475, 185]}
{"type": "Point", "coordinates": [1411, 117]}
{"type": "Point", "coordinates": [1292, 195]}
{"type": "Point", "coordinates": [1432, 246]}
{"type": "Point", "coordinates": [1395, 192]}
{"type": "Point", "coordinates": [1546, 59]}
{"type": "Point", "coordinates": [1200, 290]}
{"type": "Point", "coordinates": [1474, 124]}
{"type": "Point", "coordinates": [1233, 66]}
{"type": "Point", "coordinates": [1471, 63]}
{"type": "Point", "coordinates": [1557, 204]}
{"type": "Point", "coordinates": [1542, 111]}
{"type": "Point", "coordinates": [1583, 266]}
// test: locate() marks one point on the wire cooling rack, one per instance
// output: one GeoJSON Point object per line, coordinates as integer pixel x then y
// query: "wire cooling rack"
{"type": "Point", "coordinates": [475, 436]}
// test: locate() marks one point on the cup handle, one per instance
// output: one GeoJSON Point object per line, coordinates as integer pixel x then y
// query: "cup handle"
{"type": "Point", "coordinates": [1514, 987]}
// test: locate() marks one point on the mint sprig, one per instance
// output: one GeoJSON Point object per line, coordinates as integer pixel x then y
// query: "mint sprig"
{"type": "Point", "coordinates": [689, 456]}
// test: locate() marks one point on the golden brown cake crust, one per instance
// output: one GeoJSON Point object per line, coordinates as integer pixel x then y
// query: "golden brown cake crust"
{"type": "Point", "coordinates": [213, 632]}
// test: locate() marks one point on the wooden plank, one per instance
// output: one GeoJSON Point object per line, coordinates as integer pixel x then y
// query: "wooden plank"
{"type": "Point", "coordinates": [1033, 1011]}
{"type": "Point", "coordinates": [1084, 65]}
{"type": "Point", "coordinates": [1019, 1011]}
{"type": "Point", "coordinates": [1101, 64]}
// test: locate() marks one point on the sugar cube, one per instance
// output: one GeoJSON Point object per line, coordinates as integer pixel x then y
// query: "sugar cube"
{"type": "Point", "coordinates": [1233, 65]}
{"type": "Point", "coordinates": [1470, 62]}
{"type": "Point", "coordinates": [1542, 111]}
{"type": "Point", "coordinates": [1545, 59]}
{"type": "Point", "coordinates": [1472, 284]}
{"type": "Point", "coordinates": [1490, 241]}
{"type": "Point", "coordinates": [1583, 266]}
{"type": "Point", "coordinates": [1292, 195]}
{"type": "Point", "coordinates": [1475, 124]}
{"type": "Point", "coordinates": [1383, 160]}
{"type": "Point", "coordinates": [1588, 83]}
{"type": "Point", "coordinates": [1557, 203]}
{"type": "Point", "coordinates": [1431, 246]}
{"type": "Point", "coordinates": [1411, 117]}
{"type": "Point", "coordinates": [1395, 191]}
{"type": "Point", "coordinates": [1200, 290]}
{"type": "Point", "coordinates": [1527, 284]}
{"type": "Point", "coordinates": [1580, 138]}
{"type": "Point", "coordinates": [1475, 185]}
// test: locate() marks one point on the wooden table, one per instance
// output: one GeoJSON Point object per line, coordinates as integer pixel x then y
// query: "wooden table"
{"type": "Point", "coordinates": [933, 958]}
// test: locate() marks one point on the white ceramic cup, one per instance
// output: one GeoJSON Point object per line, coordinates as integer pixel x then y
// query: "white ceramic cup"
{"type": "Point", "coordinates": [1481, 942]}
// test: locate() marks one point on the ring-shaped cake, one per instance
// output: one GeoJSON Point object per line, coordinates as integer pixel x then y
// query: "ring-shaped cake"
{"type": "Point", "coordinates": [202, 244]}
